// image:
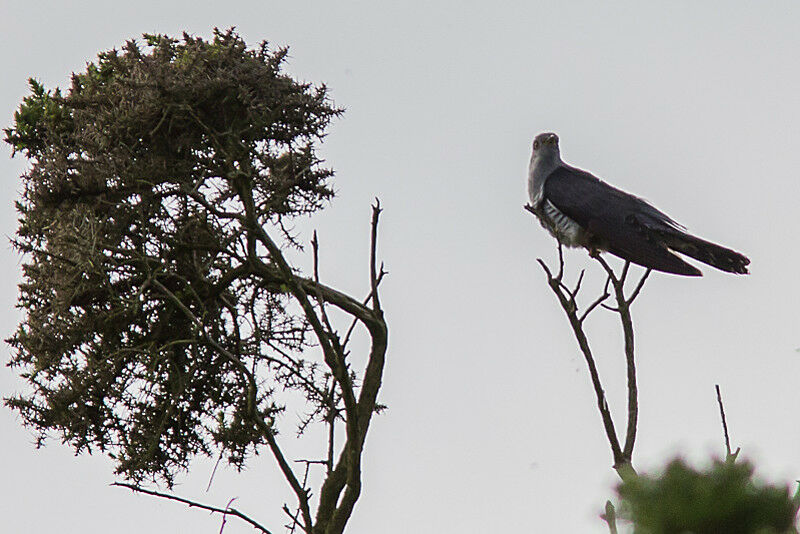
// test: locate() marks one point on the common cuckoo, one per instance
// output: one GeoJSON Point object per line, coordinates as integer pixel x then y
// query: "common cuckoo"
{"type": "Point", "coordinates": [580, 210]}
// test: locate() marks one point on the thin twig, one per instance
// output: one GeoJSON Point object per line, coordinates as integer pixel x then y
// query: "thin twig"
{"type": "Point", "coordinates": [639, 286]}
{"type": "Point", "coordinates": [296, 515]}
{"type": "Point", "coordinates": [625, 268]}
{"type": "Point", "coordinates": [365, 301]}
{"type": "Point", "coordinates": [331, 425]}
{"type": "Point", "coordinates": [214, 471]}
{"type": "Point", "coordinates": [610, 517]}
{"type": "Point", "coordinates": [724, 422]}
{"type": "Point", "coordinates": [376, 212]}
{"type": "Point", "coordinates": [225, 516]}
{"type": "Point", "coordinates": [729, 456]}
{"type": "Point", "coordinates": [318, 293]}
{"type": "Point", "coordinates": [194, 504]}
{"type": "Point", "coordinates": [596, 303]}
{"type": "Point", "coordinates": [578, 284]}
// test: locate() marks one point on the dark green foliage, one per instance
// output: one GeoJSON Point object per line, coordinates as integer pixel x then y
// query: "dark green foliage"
{"type": "Point", "coordinates": [725, 498]}
{"type": "Point", "coordinates": [38, 111]}
{"type": "Point", "coordinates": [143, 316]}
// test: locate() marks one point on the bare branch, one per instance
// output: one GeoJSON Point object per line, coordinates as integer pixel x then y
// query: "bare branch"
{"type": "Point", "coordinates": [610, 517]}
{"type": "Point", "coordinates": [366, 300]}
{"type": "Point", "coordinates": [296, 515]}
{"type": "Point", "coordinates": [568, 305]}
{"type": "Point", "coordinates": [545, 268]}
{"type": "Point", "coordinates": [623, 309]}
{"type": "Point", "coordinates": [288, 473]}
{"type": "Point", "coordinates": [639, 286]}
{"type": "Point", "coordinates": [578, 284]}
{"type": "Point", "coordinates": [596, 303]}
{"type": "Point", "coordinates": [326, 322]}
{"type": "Point", "coordinates": [610, 308]}
{"type": "Point", "coordinates": [614, 285]}
{"type": "Point", "coordinates": [225, 517]}
{"type": "Point", "coordinates": [214, 471]}
{"type": "Point", "coordinates": [729, 456]}
{"type": "Point", "coordinates": [609, 271]}
{"type": "Point", "coordinates": [374, 276]}
{"type": "Point", "coordinates": [334, 507]}
{"type": "Point", "coordinates": [194, 504]}
{"type": "Point", "coordinates": [331, 426]}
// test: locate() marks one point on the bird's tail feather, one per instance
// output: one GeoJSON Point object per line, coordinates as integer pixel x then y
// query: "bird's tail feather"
{"type": "Point", "coordinates": [656, 257]}
{"type": "Point", "coordinates": [709, 253]}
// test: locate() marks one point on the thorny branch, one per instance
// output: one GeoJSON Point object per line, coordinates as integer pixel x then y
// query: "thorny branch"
{"type": "Point", "coordinates": [568, 299]}
{"type": "Point", "coordinates": [375, 276]}
{"type": "Point", "coordinates": [334, 508]}
{"type": "Point", "coordinates": [164, 273]}
{"type": "Point", "coordinates": [194, 504]}
{"type": "Point", "coordinates": [295, 516]}
{"type": "Point", "coordinates": [258, 420]}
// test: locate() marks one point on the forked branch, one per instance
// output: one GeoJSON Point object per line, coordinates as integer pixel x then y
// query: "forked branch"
{"type": "Point", "coordinates": [568, 299]}
{"type": "Point", "coordinates": [342, 485]}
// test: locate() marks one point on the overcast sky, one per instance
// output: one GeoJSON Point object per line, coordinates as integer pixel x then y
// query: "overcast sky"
{"type": "Point", "coordinates": [492, 424]}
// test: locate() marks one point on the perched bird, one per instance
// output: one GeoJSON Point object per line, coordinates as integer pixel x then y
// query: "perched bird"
{"type": "Point", "coordinates": [580, 210]}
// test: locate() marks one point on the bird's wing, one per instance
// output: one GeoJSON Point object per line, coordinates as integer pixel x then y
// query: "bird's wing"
{"type": "Point", "coordinates": [623, 224]}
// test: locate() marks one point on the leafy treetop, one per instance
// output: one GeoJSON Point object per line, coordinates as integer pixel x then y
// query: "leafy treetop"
{"type": "Point", "coordinates": [724, 498]}
{"type": "Point", "coordinates": [153, 329]}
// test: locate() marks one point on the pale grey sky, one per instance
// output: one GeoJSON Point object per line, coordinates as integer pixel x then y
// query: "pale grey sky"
{"type": "Point", "coordinates": [492, 425]}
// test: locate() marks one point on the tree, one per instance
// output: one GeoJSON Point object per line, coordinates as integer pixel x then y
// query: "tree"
{"type": "Point", "coordinates": [723, 498]}
{"type": "Point", "coordinates": [162, 316]}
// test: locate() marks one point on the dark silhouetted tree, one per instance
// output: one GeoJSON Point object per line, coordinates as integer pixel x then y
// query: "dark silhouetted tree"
{"type": "Point", "coordinates": [162, 318]}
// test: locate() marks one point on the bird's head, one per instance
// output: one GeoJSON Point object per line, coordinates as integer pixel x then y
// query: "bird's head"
{"type": "Point", "coordinates": [545, 144]}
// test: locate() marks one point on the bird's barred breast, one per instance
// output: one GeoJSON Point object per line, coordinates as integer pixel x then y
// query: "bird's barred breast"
{"type": "Point", "coordinates": [567, 231]}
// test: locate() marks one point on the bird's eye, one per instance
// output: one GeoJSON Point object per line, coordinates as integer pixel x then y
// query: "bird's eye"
{"type": "Point", "coordinates": [535, 145]}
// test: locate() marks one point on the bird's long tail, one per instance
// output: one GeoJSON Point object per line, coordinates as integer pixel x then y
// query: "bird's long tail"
{"type": "Point", "coordinates": [709, 253]}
